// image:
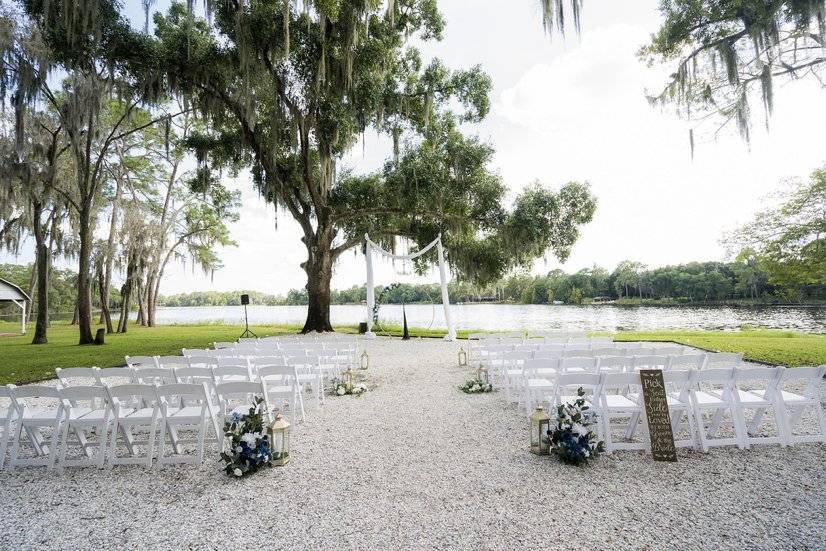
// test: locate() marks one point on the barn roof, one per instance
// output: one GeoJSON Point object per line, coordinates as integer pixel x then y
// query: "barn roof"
{"type": "Point", "coordinates": [9, 291]}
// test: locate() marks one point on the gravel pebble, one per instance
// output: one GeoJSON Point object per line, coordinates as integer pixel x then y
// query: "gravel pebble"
{"type": "Point", "coordinates": [416, 464]}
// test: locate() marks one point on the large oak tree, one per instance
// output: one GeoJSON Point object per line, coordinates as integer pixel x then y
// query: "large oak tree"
{"type": "Point", "coordinates": [288, 92]}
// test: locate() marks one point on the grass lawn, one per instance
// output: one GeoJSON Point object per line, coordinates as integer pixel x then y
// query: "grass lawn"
{"type": "Point", "coordinates": [20, 362]}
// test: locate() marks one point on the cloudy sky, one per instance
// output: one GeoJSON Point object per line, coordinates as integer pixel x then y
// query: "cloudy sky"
{"type": "Point", "coordinates": [567, 110]}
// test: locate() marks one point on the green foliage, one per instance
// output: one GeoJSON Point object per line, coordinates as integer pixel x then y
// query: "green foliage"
{"type": "Point", "coordinates": [786, 240]}
{"type": "Point", "coordinates": [731, 49]}
{"type": "Point", "coordinates": [61, 287]}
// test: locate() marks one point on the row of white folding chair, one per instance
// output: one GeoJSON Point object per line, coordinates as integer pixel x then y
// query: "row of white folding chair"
{"type": "Point", "coordinates": [229, 370]}
{"type": "Point", "coordinates": [99, 417]}
{"type": "Point", "coordinates": [532, 376]}
{"type": "Point", "coordinates": [701, 399]}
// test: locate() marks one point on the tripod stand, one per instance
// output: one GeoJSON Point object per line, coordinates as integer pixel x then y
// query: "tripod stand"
{"type": "Point", "coordinates": [245, 299]}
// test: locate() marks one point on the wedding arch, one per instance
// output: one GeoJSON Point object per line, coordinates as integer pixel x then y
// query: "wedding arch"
{"type": "Point", "coordinates": [371, 247]}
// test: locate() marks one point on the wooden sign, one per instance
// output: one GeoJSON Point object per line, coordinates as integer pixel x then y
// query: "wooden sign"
{"type": "Point", "coordinates": [656, 411]}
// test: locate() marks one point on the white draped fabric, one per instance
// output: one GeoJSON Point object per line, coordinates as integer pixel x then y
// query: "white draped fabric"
{"type": "Point", "coordinates": [371, 247]}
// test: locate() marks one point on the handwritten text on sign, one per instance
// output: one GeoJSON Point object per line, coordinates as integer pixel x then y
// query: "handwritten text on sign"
{"type": "Point", "coordinates": [656, 411]}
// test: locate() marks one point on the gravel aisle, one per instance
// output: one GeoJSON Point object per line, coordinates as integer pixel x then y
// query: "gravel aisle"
{"type": "Point", "coordinates": [415, 464]}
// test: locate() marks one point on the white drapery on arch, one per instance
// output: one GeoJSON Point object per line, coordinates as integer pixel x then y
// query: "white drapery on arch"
{"type": "Point", "coordinates": [371, 247]}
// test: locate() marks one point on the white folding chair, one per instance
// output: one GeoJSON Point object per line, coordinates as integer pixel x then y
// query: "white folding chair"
{"type": "Point", "coordinates": [620, 396]}
{"type": "Point", "coordinates": [231, 373]}
{"type": "Point", "coordinates": [713, 392]}
{"type": "Point", "coordinates": [8, 416]}
{"type": "Point", "coordinates": [184, 406]}
{"type": "Point", "coordinates": [134, 407]}
{"type": "Point", "coordinates": [538, 381]}
{"type": "Point", "coordinates": [33, 421]}
{"type": "Point", "coordinates": [793, 404]}
{"type": "Point", "coordinates": [221, 345]}
{"type": "Point", "coordinates": [87, 413]}
{"type": "Point", "coordinates": [306, 365]}
{"type": "Point", "coordinates": [279, 383]}
{"type": "Point", "coordinates": [755, 389]}
{"type": "Point", "coordinates": [236, 397]}
{"type": "Point", "coordinates": [73, 376]}
{"type": "Point", "coordinates": [141, 362]}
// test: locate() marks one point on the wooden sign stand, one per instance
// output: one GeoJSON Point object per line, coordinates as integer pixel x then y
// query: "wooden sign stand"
{"type": "Point", "coordinates": [657, 414]}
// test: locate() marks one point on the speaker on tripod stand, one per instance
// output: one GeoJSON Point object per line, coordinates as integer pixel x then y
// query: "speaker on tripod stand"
{"type": "Point", "coordinates": [247, 334]}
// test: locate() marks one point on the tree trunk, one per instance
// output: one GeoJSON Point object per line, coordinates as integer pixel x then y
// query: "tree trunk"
{"type": "Point", "coordinates": [141, 305]}
{"type": "Point", "coordinates": [103, 289]}
{"type": "Point", "coordinates": [42, 263]}
{"type": "Point", "coordinates": [30, 290]}
{"type": "Point", "coordinates": [106, 284]}
{"type": "Point", "coordinates": [319, 268]}
{"type": "Point", "coordinates": [84, 283]}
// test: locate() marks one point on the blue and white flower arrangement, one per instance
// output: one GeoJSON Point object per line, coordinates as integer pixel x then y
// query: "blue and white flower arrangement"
{"type": "Point", "coordinates": [246, 444]}
{"type": "Point", "coordinates": [574, 438]}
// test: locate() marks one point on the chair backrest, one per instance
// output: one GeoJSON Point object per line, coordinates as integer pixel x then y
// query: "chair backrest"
{"type": "Point", "coordinates": [650, 362]}
{"type": "Point", "coordinates": [679, 381]}
{"type": "Point", "coordinates": [91, 396]}
{"type": "Point", "coordinates": [132, 394]}
{"type": "Point", "coordinates": [602, 341]}
{"type": "Point", "coordinates": [614, 364]}
{"type": "Point", "coordinates": [190, 375]}
{"type": "Point", "coordinates": [112, 376]}
{"type": "Point", "coordinates": [7, 406]}
{"type": "Point", "coordinates": [196, 352]}
{"type": "Point", "coordinates": [156, 376]}
{"type": "Point", "coordinates": [227, 373]}
{"type": "Point", "coordinates": [567, 384]}
{"type": "Point", "coordinates": [715, 380]}
{"type": "Point", "coordinates": [171, 362]}
{"type": "Point", "coordinates": [233, 361]}
{"type": "Point", "coordinates": [277, 372]}
{"type": "Point", "coordinates": [620, 383]}
{"type": "Point", "coordinates": [247, 339]}
{"type": "Point", "coordinates": [723, 359]}
{"type": "Point", "coordinates": [579, 363]}
{"type": "Point", "coordinates": [236, 393]}
{"type": "Point", "coordinates": [534, 366]}
{"type": "Point", "coordinates": [264, 361]}
{"type": "Point", "coordinates": [762, 380]}
{"type": "Point", "coordinates": [687, 361]}
{"type": "Point", "coordinates": [72, 376]}
{"type": "Point", "coordinates": [812, 377]}
{"type": "Point", "coordinates": [182, 393]}
{"type": "Point", "coordinates": [48, 398]}
{"type": "Point", "coordinates": [207, 362]}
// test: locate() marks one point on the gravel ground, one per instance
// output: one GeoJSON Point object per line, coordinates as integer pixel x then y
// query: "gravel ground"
{"type": "Point", "coordinates": [415, 464]}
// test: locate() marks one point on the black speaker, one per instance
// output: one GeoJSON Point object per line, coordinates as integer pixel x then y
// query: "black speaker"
{"type": "Point", "coordinates": [245, 299]}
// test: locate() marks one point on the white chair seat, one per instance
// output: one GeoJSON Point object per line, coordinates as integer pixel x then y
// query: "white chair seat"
{"type": "Point", "coordinates": [708, 399]}
{"type": "Point", "coordinates": [88, 414]}
{"type": "Point", "coordinates": [540, 383]}
{"type": "Point", "coordinates": [618, 401]}
{"type": "Point", "coordinates": [193, 412]}
{"type": "Point", "coordinates": [792, 397]}
{"type": "Point", "coordinates": [751, 397]}
{"type": "Point", "coordinates": [138, 413]}
{"type": "Point", "coordinates": [33, 416]}
{"type": "Point", "coordinates": [513, 372]}
{"type": "Point", "coordinates": [281, 389]}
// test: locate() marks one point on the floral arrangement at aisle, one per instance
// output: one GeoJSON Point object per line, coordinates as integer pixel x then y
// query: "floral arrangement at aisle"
{"type": "Point", "coordinates": [341, 388]}
{"type": "Point", "coordinates": [475, 386]}
{"type": "Point", "coordinates": [574, 439]}
{"type": "Point", "coordinates": [246, 444]}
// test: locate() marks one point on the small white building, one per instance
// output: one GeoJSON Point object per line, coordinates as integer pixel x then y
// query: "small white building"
{"type": "Point", "coordinates": [9, 292]}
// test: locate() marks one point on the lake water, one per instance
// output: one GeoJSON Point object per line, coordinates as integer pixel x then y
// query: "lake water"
{"type": "Point", "coordinates": [605, 317]}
